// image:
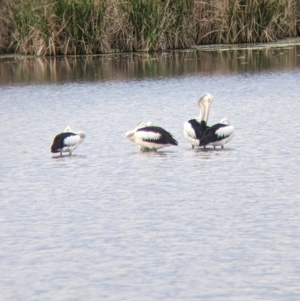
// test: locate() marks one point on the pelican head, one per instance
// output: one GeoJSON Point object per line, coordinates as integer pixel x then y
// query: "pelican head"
{"type": "Point", "coordinates": [225, 121]}
{"type": "Point", "coordinates": [130, 134]}
{"type": "Point", "coordinates": [204, 104]}
{"type": "Point", "coordinates": [81, 134]}
{"type": "Point", "coordinates": [143, 124]}
{"type": "Point", "coordinates": [68, 129]}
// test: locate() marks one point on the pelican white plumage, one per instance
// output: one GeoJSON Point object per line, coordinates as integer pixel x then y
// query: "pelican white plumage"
{"type": "Point", "coordinates": [194, 129]}
{"type": "Point", "coordinates": [218, 134]}
{"type": "Point", "coordinates": [67, 141]}
{"type": "Point", "coordinates": [150, 137]}
{"type": "Point", "coordinates": [198, 133]}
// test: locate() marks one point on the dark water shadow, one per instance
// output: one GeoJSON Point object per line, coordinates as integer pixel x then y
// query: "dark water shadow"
{"type": "Point", "coordinates": [150, 153]}
{"type": "Point", "coordinates": [207, 153]}
{"type": "Point", "coordinates": [211, 149]}
{"type": "Point", "coordinates": [68, 157]}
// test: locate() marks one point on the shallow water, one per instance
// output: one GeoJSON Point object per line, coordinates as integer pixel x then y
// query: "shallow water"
{"type": "Point", "coordinates": [112, 223]}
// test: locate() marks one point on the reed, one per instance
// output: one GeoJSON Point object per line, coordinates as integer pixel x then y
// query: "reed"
{"type": "Point", "coordinates": [157, 24]}
{"type": "Point", "coordinates": [80, 27]}
{"type": "Point", "coordinates": [240, 21]}
{"type": "Point", "coordinates": [42, 27]}
{"type": "Point", "coordinates": [23, 27]}
{"type": "Point", "coordinates": [53, 27]}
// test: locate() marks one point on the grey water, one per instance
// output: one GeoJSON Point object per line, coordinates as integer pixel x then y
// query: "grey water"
{"type": "Point", "coordinates": [113, 223]}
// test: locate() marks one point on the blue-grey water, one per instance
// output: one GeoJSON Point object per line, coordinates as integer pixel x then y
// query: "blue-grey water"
{"type": "Point", "coordinates": [113, 223]}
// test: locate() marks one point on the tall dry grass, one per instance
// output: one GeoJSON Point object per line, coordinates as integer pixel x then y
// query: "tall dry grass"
{"type": "Point", "coordinates": [239, 21]}
{"type": "Point", "coordinates": [55, 27]}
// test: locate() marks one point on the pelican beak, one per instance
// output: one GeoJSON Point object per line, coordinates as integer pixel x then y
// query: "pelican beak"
{"type": "Point", "coordinates": [129, 134]}
{"type": "Point", "coordinates": [207, 105]}
{"type": "Point", "coordinates": [205, 108]}
{"type": "Point", "coordinates": [204, 103]}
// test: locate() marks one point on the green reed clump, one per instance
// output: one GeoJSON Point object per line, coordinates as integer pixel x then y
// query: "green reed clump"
{"type": "Point", "coordinates": [52, 27]}
{"type": "Point", "coordinates": [80, 26]}
{"type": "Point", "coordinates": [157, 24]}
{"type": "Point", "coordinates": [42, 27]}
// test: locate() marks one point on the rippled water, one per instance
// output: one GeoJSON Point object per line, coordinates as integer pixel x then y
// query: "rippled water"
{"type": "Point", "coordinates": [112, 223]}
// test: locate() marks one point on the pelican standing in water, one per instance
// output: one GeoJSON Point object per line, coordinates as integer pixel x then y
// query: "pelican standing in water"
{"type": "Point", "coordinates": [198, 133]}
{"type": "Point", "coordinates": [67, 141]}
{"type": "Point", "coordinates": [194, 129]}
{"type": "Point", "coordinates": [218, 135]}
{"type": "Point", "coordinates": [150, 137]}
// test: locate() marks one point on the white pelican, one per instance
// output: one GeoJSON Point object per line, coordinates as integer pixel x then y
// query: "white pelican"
{"type": "Point", "coordinates": [150, 137]}
{"type": "Point", "coordinates": [218, 135]}
{"type": "Point", "coordinates": [67, 141]}
{"type": "Point", "coordinates": [194, 129]}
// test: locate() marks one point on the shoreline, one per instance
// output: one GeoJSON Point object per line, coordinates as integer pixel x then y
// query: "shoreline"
{"type": "Point", "coordinates": [283, 43]}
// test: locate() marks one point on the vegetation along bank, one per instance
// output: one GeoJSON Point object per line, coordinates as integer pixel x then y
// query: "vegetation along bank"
{"type": "Point", "coordinates": [73, 27]}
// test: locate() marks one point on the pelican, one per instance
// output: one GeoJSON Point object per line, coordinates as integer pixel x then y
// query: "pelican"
{"type": "Point", "coordinates": [194, 129]}
{"type": "Point", "coordinates": [150, 137]}
{"type": "Point", "coordinates": [218, 135]}
{"type": "Point", "coordinates": [67, 141]}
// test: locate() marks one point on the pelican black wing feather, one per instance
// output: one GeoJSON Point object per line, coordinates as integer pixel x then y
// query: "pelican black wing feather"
{"type": "Point", "coordinates": [210, 135]}
{"type": "Point", "coordinates": [199, 127]}
{"type": "Point", "coordinates": [58, 142]}
{"type": "Point", "coordinates": [164, 136]}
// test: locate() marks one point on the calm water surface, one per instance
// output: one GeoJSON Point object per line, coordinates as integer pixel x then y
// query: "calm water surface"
{"type": "Point", "coordinates": [112, 223]}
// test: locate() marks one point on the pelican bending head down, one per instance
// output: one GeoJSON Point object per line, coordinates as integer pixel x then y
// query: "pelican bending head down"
{"type": "Point", "coordinates": [67, 141]}
{"type": "Point", "coordinates": [218, 134]}
{"type": "Point", "coordinates": [194, 129]}
{"type": "Point", "coordinates": [150, 137]}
